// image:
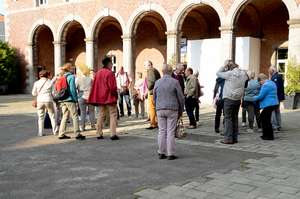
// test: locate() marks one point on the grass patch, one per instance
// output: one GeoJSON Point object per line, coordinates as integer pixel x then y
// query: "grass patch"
{"type": "Point", "coordinates": [140, 190]}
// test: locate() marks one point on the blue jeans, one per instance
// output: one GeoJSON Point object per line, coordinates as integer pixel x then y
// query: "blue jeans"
{"type": "Point", "coordinates": [127, 100]}
{"type": "Point", "coordinates": [190, 104]}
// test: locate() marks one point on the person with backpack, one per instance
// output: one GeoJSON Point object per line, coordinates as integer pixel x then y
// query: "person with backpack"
{"type": "Point", "coordinates": [68, 102]}
{"type": "Point", "coordinates": [43, 89]}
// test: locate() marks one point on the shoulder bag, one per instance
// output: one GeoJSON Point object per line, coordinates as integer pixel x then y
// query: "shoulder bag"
{"type": "Point", "coordinates": [34, 104]}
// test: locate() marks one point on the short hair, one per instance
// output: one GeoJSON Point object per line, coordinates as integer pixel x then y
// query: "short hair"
{"type": "Point", "coordinates": [139, 74]}
{"type": "Point", "coordinates": [232, 66]}
{"type": "Point", "coordinates": [273, 68]}
{"type": "Point", "coordinates": [262, 76]}
{"type": "Point", "coordinates": [105, 61]}
{"type": "Point", "coordinates": [251, 74]}
{"type": "Point", "coordinates": [91, 71]}
{"type": "Point", "coordinates": [66, 67]}
{"type": "Point", "coordinates": [43, 73]}
{"type": "Point", "coordinates": [191, 70]}
{"type": "Point", "coordinates": [196, 72]}
{"type": "Point", "coordinates": [150, 62]}
{"type": "Point", "coordinates": [83, 73]}
{"type": "Point", "coordinates": [167, 69]}
{"type": "Point", "coordinates": [178, 66]}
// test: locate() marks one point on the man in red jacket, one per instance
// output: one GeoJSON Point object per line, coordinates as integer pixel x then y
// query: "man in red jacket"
{"type": "Point", "coordinates": [104, 94]}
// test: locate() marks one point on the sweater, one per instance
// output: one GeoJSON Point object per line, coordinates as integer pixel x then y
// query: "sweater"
{"type": "Point", "coordinates": [167, 94]}
{"type": "Point", "coordinates": [251, 90]}
{"type": "Point", "coordinates": [268, 95]}
{"type": "Point", "coordinates": [152, 76]}
{"type": "Point", "coordinates": [84, 85]}
{"type": "Point", "coordinates": [46, 93]}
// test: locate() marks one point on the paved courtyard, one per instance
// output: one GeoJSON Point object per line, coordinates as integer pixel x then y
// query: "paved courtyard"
{"type": "Point", "coordinates": [45, 167]}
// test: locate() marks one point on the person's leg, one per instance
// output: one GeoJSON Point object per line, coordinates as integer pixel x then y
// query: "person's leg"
{"type": "Point", "coordinates": [142, 106]}
{"type": "Point", "coordinates": [235, 119]}
{"type": "Point", "coordinates": [113, 119]}
{"type": "Point", "coordinates": [266, 122]}
{"type": "Point", "coordinates": [121, 103]}
{"type": "Point", "coordinates": [218, 117]}
{"type": "Point", "coordinates": [64, 121]}
{"type": "Point", "coordinates": [244, 115]}
{"type": "Point", "coordinates": [257, 115]}
{"type": "Point", "coordinates": [136, 107]}
{"type": "Point", "coordinates": [162, 122]}
{"type": "Point", "coordinates": [274, 120]}
{"type": "Point", "coordinates": [57, 113]}
{"type": "Point", "coordinates": [128, 103]}
{"type": "Point", "coordinates": [197, 111]}
{"type": "Point", "coordinates": [250, 109]}
{"type": "Point", "coordinates": [228, 111]}
{"type": "Point", "coordinates": [72, 107]}
{"type": "Point", "coordinates": [100, 119]}
{"type": "Point", "coordinates": [190, 105]}
{"type": "Point", "coordinates": [171, 126]}
{"type": "Point", "coordinates": [278, 117]}
{"type": "Point", "coordinates": [91, 109]}
{"type": "Point", "coordinates": [41, 114]}
{"type": "Point", "coordinates": [152, 111]}
{"type": "Point", "coordinates": [82, 106]}
{"type": "Point", "coordinates": [51, 112]}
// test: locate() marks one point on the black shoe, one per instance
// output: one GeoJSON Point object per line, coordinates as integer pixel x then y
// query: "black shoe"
{"type": "Point", "coordinates": [64, 137]}
{"type": "Point", "coordinates": [217, 131]}
{"type": "Point", "coordinates": [172, 157]}
{"type": "Point", "coordinates": [122, 115]}
{"type": "Point", "coordinates": [266, 138]}
{"type": "Point", "coordinates": [114, 138]}
{"type": "Point", "coordinates": [161, 156]}
{"type": "Point", "coordinates": [80, 137]}
{"type": "Point", "coordinates": [235, 141]}
{"type": "Point", "coordinates": [150, 128]}
{"type": "Point", "coordinates": [99, 138]}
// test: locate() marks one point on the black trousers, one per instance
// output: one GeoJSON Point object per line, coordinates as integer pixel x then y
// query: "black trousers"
{"type": "Point", "coordinates": [265, 118]}
{"type": "Point", "coordinates": [190, 104]}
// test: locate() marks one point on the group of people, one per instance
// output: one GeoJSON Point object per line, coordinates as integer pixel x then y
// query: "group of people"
{"type": "Point", "coordinates": [234, 87]}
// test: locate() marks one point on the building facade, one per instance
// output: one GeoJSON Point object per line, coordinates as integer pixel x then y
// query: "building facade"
{"type": "Point", "coordinates": [49, 33]}
{"type": "Point", "coordinates": [2, 29]}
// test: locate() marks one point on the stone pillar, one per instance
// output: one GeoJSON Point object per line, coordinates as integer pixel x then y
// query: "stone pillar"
{"type": "Point", "coordinates": [228, 42]}
{"type": "Point", "coordinates": [90, 53]}
{"type": "Point", "coordinates": [294, 39]}
{"type": "Point", "coordinates": [31, 75]}
{"type": "Point", "coordinates": [59, 54]}
{"type": "Point", "coordinates": [129, 56]}
{"type": "Point", "coordinates": [173, 45]}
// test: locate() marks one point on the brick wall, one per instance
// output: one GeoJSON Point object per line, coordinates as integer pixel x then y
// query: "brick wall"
{"type": "Point", "coordinates": [45, 49]}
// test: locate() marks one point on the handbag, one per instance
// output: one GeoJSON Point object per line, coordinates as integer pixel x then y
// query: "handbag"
{"type": "Point", "coordinates": [123, 90]}
{"type": "Point", "coordinates": [34, 104]}
{"type": "Point", "coordinates": [180, 129]}
{"type": "Point", "coordinates": [138, 97]}
{"type": "Point", "coordinates": [201, 93]}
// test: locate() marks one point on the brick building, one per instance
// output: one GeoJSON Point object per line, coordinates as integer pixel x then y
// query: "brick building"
{"type": "Point", "coordinates": [49, 33]}
{"type": "Point", "coordinates": [2, 29]}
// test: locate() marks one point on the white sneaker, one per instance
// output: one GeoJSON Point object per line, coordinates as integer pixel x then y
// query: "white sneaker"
{"type": "Point", "coordinates": [243, 124]}
{"type": "Point", "coordinates": [250, 130]}
{"type": "Point", "coordinates": [254, 125]}
{"type": "Point", "coordinates": [260, 130]}
{"type": "Point", "coordinates": [79, 118]}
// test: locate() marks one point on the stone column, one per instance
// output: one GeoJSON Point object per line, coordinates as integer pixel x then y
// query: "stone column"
{"type": "Point", "coordinates": [294, 39]}
{"type": "Point", "coordinates": [59, 54]}
{"type": "Point", "coordinates": [90, 53]}
{"type": "Point", "coordinates": [228, 42]}
{"type": "Point", "coordinates": [129, 56]}
{"type": "Point", "coordinates": [31, 75]}
{"type": "Point", "coordinates": [173, 45]}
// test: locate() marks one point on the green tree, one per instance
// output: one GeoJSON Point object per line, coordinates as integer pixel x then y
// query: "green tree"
{"type": "Point", "coordinates": [84, 67]}
{"type": "Point", "coordinates": [8, 63]}
{"type": "Point", "coordinates": [292, 77]}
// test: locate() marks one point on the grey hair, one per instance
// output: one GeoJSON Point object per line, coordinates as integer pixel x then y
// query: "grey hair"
{"type": "Point", "coordinates": [167, 69]}
{"type": "Point", "coordinates": [273, 68]}
{"type": "Point", "coordinates": [196, 72]}
{"type": "Point", "coordinates": [178, 66]}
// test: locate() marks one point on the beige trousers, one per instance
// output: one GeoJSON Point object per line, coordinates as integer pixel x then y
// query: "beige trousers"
{"type": "Point", "coordinates": [69, 107]}
{"type": "Point", "coordinates": [113, 119]}
{"type": "Point", "coordinates": [41, 108]}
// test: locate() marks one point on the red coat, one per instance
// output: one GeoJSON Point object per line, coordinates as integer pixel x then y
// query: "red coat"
{"type": "Point", "coordinates": [104, 88]}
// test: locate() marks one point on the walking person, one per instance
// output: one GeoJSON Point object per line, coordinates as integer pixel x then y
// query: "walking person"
{"type": "Point", "coordinates": [152, 76]}
{"type": "Point", "coordinates": [169, 100]}
{"type": "Point", "coordinates": [43, 88]}
{"type": "Point", "coordinates": [139, 89]}
{"type": "Point", "coordinates": [83, 85]}
{"type": "Point", "coordinates": [277, 79]}
{"type": "Point", "coordinates": [191, 94]}
{"type": "Point", "coordinates": [268, 101]}
{"type": "Point", "coordinates": [233, 92]}
{"type": "Point", "coordinates": [251, 90]}
{"type": "Point", "coordinates": [69, 105]}
{"type": "Point", "coordinates": [104, 94]}
{"type": "Point", "coordinates": [124, 81]}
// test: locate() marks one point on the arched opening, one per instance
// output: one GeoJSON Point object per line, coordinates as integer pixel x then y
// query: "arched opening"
{"type": "Point", "coordinates": [151, 41]}
{"type": "Point", "coordinates": [43, 54]}
{"type": "Point", "coordinates": [265, 22]}
{"type": "Point", "coordinates": [75, 45]}
{"type": "Point", "coordinates": [110, 42]}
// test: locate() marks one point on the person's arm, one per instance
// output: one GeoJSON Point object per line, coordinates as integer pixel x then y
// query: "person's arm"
{"type": "Point", "coordinates": [129, 85]}
{"type": "Point", "coordinates": [112, 84]}
{"type": "Point", "coordinates": [180, 98]}
{"type": "Point", "coordinates": [262, 94]}
{"type": "Point", "coordinates": [71, 82]}
{"type": "Point", "coordinates": [130, 81]}
{"type": "Point", "coordinates": [222, 74]}
{"type": "Point", "coordinates": [154, 93]}
{"type": "Point", "coordinates": [34, 90]}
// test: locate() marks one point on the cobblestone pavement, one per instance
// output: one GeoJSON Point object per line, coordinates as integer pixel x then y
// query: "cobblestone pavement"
{"type": "Point", "coordinates": [276, 176]}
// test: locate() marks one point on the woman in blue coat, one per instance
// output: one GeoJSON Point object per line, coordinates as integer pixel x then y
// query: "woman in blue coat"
{"type": "Point", "coordinates": [268, 100]}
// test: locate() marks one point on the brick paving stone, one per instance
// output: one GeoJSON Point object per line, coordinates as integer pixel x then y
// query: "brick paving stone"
{"type": "Point", "coordinates": [284, 183]}
{"type": "Point", "coordinates": [240, 180]}
{"type": "Point", "coordinates": [191, 185]}
{"type": "Point", "coordinates": [277, 175]}
{"type": "Point", "coordinates": [220, 183]}
{"type": "Point", "coordinates": [275, 169]}
{"type": "Point", "coordinates": [171, 196]}
{"type": "Point", "coordinates": [203, 187]}
{"type": "Point", "coordinates": [266, 185]}
{"type": "Point", "coordinates": [172, 189]}
{"type": "Point", "coordinates": [294, 178]}
{"type": "Point", "coordinates": [241, 187]}
{"type": "Point", "coordinates": [196, 194]}
{"type": "Point", "coordinates": [217, 176]}
{"type": "Point", "coordinates": [149, 193]}
{"type": "Point", "coordinates": [265, 192]}
{"type": "Point", "coordinates": [287, 196]}
{"type": "Point", "coordinates": [241, 195]}
{"type": "Point", "coordinates": [261, 197]}
{"type": "Point", "coordinates": [285, 189]}
{"type": "Point", "coordinates": [219, 190]}
{"type": "Point", "coordinates": [250, 176]}
{"type": "Point", "coordinates": [215, 196]}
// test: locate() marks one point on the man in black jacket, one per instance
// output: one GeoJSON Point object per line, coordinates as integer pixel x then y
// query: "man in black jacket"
{"type": "Point", "coordinates": [177, 74]}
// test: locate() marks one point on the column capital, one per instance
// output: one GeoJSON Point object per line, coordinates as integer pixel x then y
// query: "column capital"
{"type": "Point", "coordinates": [295, 23]}
{"type": "Point", "coordinates": [90, 40]}
{"type": "Point", "coordinates": [58, 43]}
{"type": "Point", "coordinates": [129, 37]}
{"type": "Point", "coordinates": [172, 34]}
{"type": "Point", "coordinates": [228, 29]}
{"type": "Point", "coordinates": [32, 45]}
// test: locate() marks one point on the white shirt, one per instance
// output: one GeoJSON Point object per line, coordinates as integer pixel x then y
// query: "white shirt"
{"type": "Point", "coordinates": [123, 80]}
{"type": "Point", "coordinates": [46, 93]}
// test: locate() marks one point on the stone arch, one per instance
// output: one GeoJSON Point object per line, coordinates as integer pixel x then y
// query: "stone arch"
{"type": "Point", "coordinates": [65, 24]}
{"type": "Point", "coordinates": [36, 27]}
{"type": "Point", "coordinates": [140, 12]}
{"type": "Point", "coordinates": [98, 20]}
{"type": "Point", "coordinates": [187, 6]}
{"type": "Point", "coordinates": [238, 6]}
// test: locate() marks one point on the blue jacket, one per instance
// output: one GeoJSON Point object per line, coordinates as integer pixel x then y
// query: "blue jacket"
{"type": "Point", "coordinates": [277, 79]}
{"type": "Point", "coordinates": [221, 81]}
{"type": "Point", "coordinates": [251, 90]}
{"type": "Point", "coordinates": [267, 95]}
{"type": "Point", "coordinates": [71, 88]}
